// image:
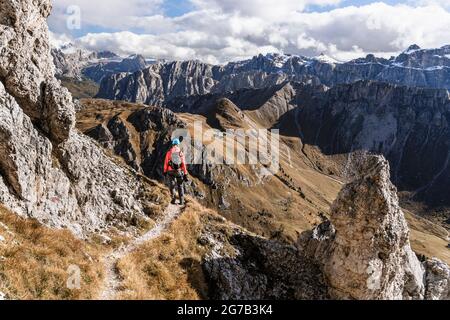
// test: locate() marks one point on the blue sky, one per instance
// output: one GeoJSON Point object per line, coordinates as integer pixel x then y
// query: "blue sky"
{"type": "Point", "coordinates": [175, 8]}
{"type": "Point", "coordinates": [218, 31]}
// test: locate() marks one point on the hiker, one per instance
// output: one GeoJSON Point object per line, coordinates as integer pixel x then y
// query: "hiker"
{"type": "Point", "coordinates": [175, 171]}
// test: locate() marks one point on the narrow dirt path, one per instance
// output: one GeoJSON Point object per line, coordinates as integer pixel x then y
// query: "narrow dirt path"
{"type": "Point", "coordinates": [112, 278]}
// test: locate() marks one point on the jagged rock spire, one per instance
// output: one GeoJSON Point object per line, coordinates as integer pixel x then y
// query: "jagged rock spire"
{"type": "Point", "coordinates": [372, 257]}
{"type": "Point", "coordinates": [364, 249]}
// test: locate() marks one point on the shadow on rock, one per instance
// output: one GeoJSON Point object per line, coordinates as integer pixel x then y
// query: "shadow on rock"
{"type": "Point", "coordinates": [196, 276]}
{"type": "Point", "coordinates": [262, 269]}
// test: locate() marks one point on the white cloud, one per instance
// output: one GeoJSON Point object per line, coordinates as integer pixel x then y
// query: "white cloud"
{"type": "Point", "coordinates": [220, 31]}
{"type": "Point", "coordinates": [59, 40]}
{"type": "Point", "coordinates": [267, 9]}
{"type": "Point", "coordinates": [441, 3]}
{"type": "Point", "coordinates": [113, 14]}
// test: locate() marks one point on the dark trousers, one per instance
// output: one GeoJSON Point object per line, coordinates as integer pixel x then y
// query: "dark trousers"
{"type": "Point", "coordinates": [176, 183]}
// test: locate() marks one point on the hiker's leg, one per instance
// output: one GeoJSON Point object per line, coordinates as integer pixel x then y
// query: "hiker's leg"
{"type": "Point", "coordinates": [181, 190]}
{"type": "Point", "coordinates": [172, 187]}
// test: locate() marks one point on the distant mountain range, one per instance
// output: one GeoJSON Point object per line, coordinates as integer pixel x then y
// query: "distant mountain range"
{"type": "Point", "coordinates": [162, 82]}
{"type": "Point", "coordinates": [151, 81]}
{"type": "Point", "coordinates": [77, 63]}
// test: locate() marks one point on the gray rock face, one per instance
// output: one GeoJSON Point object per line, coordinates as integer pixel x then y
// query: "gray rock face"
{"type": "Point", "coordinates": [26, 68]}
{"type": "Point", "coordinates": [29, 178]}
{"type": "Point", "coordinates": [249, 79]}
{"type": "Point", "coordinates": [414, 67]}
{"type": "Point", "coordinates": [438, 280]}
{"type": "Point", "coordinates": [162, 84]}
{"type": "Point", "coordinates": [71, 62]}
{"type": "Point", "coordinates": [48, 171]}
{"type": "Point", "coordinates": [105, 192]}
{"type": "Point", "coordinates": [364, 250]}
{"type": "Point", "coordinates": [74, 186]}
{"type": "Point", "coordinates": [159, 82]}
{"type": "Point", "coordinates": [409, 126]}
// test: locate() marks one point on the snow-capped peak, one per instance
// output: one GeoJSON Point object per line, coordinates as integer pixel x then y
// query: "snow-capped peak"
{"type": "Point", "coordinates": [278, 59]}
{"type": "Point", "coordinates": [68, 48]}
{"type": "Point", "coordinates": [325, 58]}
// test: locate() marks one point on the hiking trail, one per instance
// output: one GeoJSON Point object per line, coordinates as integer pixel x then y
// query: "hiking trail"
{"type": "Point", "coordinates": [112, 277]}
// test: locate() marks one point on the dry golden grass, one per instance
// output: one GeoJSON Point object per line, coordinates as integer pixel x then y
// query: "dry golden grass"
{"type": "Point", "coordinates": [169, 266]}
{"type": "Point", "coordinates": [35, 260]}
{"type": "Point", "coordinates": [80, 89]}
{"type": "Point", "coordinates": [428, 238]}
{"type": "Point", "coordinates": [96, 111]}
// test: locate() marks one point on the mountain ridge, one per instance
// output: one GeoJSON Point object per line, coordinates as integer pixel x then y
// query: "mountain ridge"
{"type": "Point", "coordinates": [420, 67]}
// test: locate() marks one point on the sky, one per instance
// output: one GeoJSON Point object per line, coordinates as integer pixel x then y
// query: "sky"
{"type": "Point", "coordinates": [219, 31]}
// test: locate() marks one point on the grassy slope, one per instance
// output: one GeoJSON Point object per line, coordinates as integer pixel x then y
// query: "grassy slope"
{"type": "Point", "coordinates": [286, 204]}
{"type": "Point", "coordinates": [428, 238]}
{"type": "Point", "coordinates": [35, 259]}
{"type": "Point", "coordinates": [168, 267]}
{"type": "Point", "coordinates": [80, 89]}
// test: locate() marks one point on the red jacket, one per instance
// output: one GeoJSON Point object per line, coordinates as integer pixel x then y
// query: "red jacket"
{"type": "Point", "coordinates": [167, 167]}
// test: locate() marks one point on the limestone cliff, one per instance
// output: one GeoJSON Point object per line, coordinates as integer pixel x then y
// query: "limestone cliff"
{"type": "Point", "coordinates": [408, 125]}
{"type": "Point", "coordinates": [48, 170]}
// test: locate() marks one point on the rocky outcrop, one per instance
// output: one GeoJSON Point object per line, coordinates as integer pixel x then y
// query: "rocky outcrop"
{"type": "Point", "coordinates": [409, 126]}
{"type": "Point", "coordinates": [437, 280]}
{"type": "Point", "coordinates": [364, 249]}
{"type": "Point", "coordinates": [26, 68]}
{"type": "Point", "coordinates": [26, 161]}
{"type": "Point", "coordinates": [48, 170]}
{"type": "Point", "coordinates": [141, 137]}
{"type": "Point", "coordinates": [242, 266]}
{"type": "Point", "coordinates": [73, 185]}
